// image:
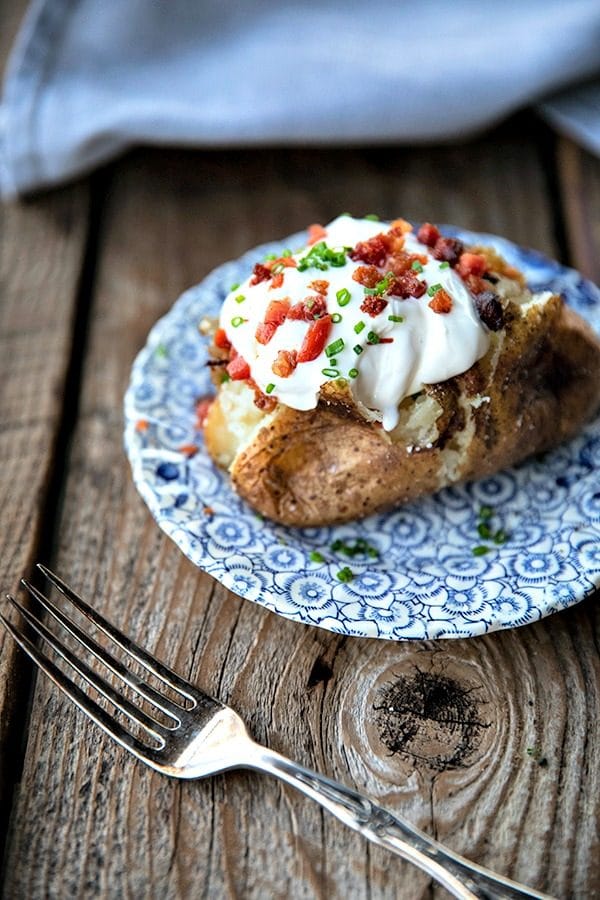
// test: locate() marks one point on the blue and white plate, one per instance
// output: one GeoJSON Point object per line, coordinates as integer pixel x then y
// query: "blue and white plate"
{"type": "Point", "coordinates": [426, 581]}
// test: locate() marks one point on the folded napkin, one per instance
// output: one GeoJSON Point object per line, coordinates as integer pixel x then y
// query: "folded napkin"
{"type": "Point", "coordinates": [87, 78]}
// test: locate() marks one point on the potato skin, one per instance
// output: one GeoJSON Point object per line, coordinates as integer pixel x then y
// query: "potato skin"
{"type": "Point", "coordinates": [329, 465]}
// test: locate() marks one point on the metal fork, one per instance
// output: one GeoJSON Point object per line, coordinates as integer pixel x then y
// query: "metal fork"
{"type": "Point", "coordinates": [204, 736]}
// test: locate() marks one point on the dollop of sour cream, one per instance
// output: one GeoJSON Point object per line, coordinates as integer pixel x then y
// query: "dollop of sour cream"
{"type": "Point", "coordinates": [426, 346]}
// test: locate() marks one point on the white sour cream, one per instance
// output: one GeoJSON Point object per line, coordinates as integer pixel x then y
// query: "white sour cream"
{"type": "Point", "coordinates": [427, 347]}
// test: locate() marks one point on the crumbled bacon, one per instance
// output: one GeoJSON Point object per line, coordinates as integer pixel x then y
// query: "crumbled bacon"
{"type": "Point", "coordinates": [403, 262]}
{"type": "Point", "coordinates": [308, 309]}
{"type": "Point", "coordinates": [373, 305]}
{"type": "Point", "coordinates": [286, 261]}
{"type": "Point", "coordinates": [406, 285]}
{"type": "Point", "coordinates": [276, 281]}
{"type": "Point", "coordinates": [285, 363]}
{"type": "Point", "coordinates": [264, 332]}
{"type": "Point", "coordinates": [441, 302]}
{"type": "Point", "coordinates": [447, 250]}
{"type": "Point", "coordinates": [368, 276]}
{"type": "Point", "coordinates": [428, 234]}
{"type": "Point", "coordinates": [373, 252]}
{"type": "Point", "coordinates": [319, 285]}
{"type": "Point", "coordinates": [221, 340]}
{"type": "Point", "coordinates": [401, 226]}
{"type": "Point", "coordinates": [315, 339]}
{"type": "Point", "coordinates": [261, 400]}
{"type": "Point", "coordinates": [475, 284]}
{"type": "Point", "coordinates": [316, 233]}
{"type": "Point", "coordinates": [237, 368]}
{"type": "Point", "coordinates": [275, 316]}
{"type": "Point", "coordinates": [202, 407]}
{"type": "Point", "coordinates": [471, 264]}
{"type": "Point", "coordinates": [490, 310]}
{"type": "Point", "coordinates": [260, 273]}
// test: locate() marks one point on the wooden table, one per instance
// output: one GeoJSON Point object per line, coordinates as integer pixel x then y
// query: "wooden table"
{"type": "Point", "coordinates": [85, 272]}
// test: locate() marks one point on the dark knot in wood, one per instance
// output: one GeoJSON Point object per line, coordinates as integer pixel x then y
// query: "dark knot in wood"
{"type": "Point", "coordinates": [431, 719]}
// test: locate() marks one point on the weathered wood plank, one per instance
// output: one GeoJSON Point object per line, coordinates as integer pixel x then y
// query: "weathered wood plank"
{"type": "Point", "coordinates": [41, 252]}
{"type": "Point", "coordinates": [579, 178]}
{"type": "Point", "coordinates": [89, 820]}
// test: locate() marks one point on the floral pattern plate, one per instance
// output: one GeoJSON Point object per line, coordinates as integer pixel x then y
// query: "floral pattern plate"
{"type": "Point", "coordinates": [426, 582]}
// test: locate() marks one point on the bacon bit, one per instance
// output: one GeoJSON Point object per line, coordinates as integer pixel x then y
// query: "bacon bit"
{"type": "Point", "coordinates": [202, 407]}
{"type": "Point", "coordinates": [221, 340]}
{"type": "Point", "coordinates": [262, 401]}
{"type": "Point", "coordinates": [286, 261]}
{"type": "Point", "coordinates": [142, 425]}
{"type": "Point", "coordinates": [476, 284]}
{"type": "Point", "coordinates": [208, 511]}
{"type": "Point", "coordinates": [428, 234]}
{"type": "Point", "coordinates": [373, 305]}
{"type": "Point", "coordinates": [406, 285]}
{"type": "Point", "coordinates": [264, 332]}
{"type": "Point", "coordinates": [315, 339]}
{"type": "Point", "coordinates": [447, 250]}
{"type": "Point", "coordinates": [368, 276]}
{"type": "Point", "coordinates": [471, 264]}
{"type": "Point", "coordinates": [320, 286]}
{"type": "Point", "coordinates": [238, 369]}
{"type": "Point", "coordinates": [260, 273]}
{"type": "Point", "coordinates": [490, 310]}
{"type": "Point", "coordinates": [373, 252]}
{"type": "Point", "coordinates": [389, 340]}
{"type": "Point", "coordinates": [441, 302]}
{"type": "Point", "coordinates": [402, 262]}
{"type": "Point", "coordinates": [316, 233]}
{"type": "Point", "coordinates": [276, 281]}
{"type": "Point", "coordinates": [285, 363]}
{"type": "Point", "coordinates": [189, 450]}
{"type": "Point", "coordinates": [275, 316]}
{"type": "Point", "coordinates": [308, 309]}
{"type": "Point", "coordinates": [401, 225]}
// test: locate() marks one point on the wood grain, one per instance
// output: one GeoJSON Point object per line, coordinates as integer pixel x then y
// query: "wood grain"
{"type": "Point", "coordinates": [41, 252]}
{"type": "Point", "coordinates": [579, 178]}
{"type": "Point", "coordinates": [91, 822]}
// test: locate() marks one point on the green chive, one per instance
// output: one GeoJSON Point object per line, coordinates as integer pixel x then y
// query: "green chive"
{"type": "Point", "coordinates": [335, 347]}
{"type": "Point", "coordinates": [359, 327]}
{"type": "Point", "coordinates": [225, 377]}
{"type": "Point", "coordinates": [317, 557]}
{"type": "Point", "coordinates": [286, 253]}
{"type": "Point", "coordinates": [162, 351]}
{"type": "Point", "coordinates": [358, 349]}
{"type": "Point", "coordinates": [331, 373]}
{"type": "Point", "coordinates": [240, 298]}
{"type": "Point", "coordinates": [345, 575]}
{"type": "Point", "coordinates": [445, 265]}
{"type": "Point", "coordinates": [372, 338]}
{"type": "Point", "coordinates": [486, 512]}
{"type": "Point", "coordinates": [431, 291]}
{"type": "Point", "coordinates": [353, 373]}
{"type": "Point", "coordinates": [484, 531]}
{"type": "Point", "coordinates": [501, 537]}
{"type": "Point", "coordinates": [481, 550]}
{"type": "Point", "coordinates": [372, 217]}
{"type": "Point", "coordinates": [416, 266]}
{"type": "Point", "coordinates": [343, 296]}
{"type": "Point", "coordinates": [270, 388]}
{"type": "Point", "coordinates": [235, 286]}
{"type": "Point", "coordinates": [395, 318]}
{"type": "Point", "coordinates": [270, 256]}
{"type": "Point", "coordinates": [336, 318]}
{"type": "Point", "coordinates": [237, 321]}
{"type": "Point", "coordinates": [333, 362]}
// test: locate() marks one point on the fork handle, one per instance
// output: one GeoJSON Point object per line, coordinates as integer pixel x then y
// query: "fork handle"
{"type": "Point", "coordinates": [463, 879]}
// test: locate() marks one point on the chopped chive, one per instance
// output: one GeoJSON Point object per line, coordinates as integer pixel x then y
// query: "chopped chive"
{"type": "Point", "coordinates": [372, 338]}
{"type": "Point", "coordinates": [358, 349]}
{"type": "Point", "coordinates": [353, 373]}
{"type": "Point", "coordinates": [500, 537]}
{"type": "Point", "coordinates": [270, 388]}
{"type": "Point", "coordinates": [396, 318]}
{"type": "Point", "coordinates": [278, 268]}
{"type": "Point", "coordinates": [481, 550]}
{"type": "Point", "coordinates": [343, 296]}
{"type": "Point", "coordinates": [333, 362]}
{"type": "Point", "coordinates": [372, 217]}
{"type": "Point", "coordinates": [270, 256]}
{"type": "Point", "coordinates": [240, 298]}
{"type": "Point", "coordinates": [235, 286]}
{"type": "Point", "coordinates": [162, 351]}
{"type": "Point", "coordinates": [345, 575]}
{"type": "Point", "coordinates": [336, 318]}
{"type": "Point", "coordinates": [416, 266]}
{"type": "Point", "coordinates": [331, 373]}
{"type": "Point", "coordinates": [445, 265]}
{"type": "Point", "coordinates": [225, 377]}
{"type": "Point", "coordinates": [334, 347]}
{"type": "Point", "coordinates": [237, 321]}
{"type": "Point", "coordinates": [315, 556]}
{"type": "Point", "coordinates": [486, 512]}
{"type": "Point", "coordinates": [287, 252]}
{"type": "Point", "coordinates": [359, 327]}
{"type": "Point", "coordinates": [484, 531]}
{"type": "Point", "coordinates": [433, 289]}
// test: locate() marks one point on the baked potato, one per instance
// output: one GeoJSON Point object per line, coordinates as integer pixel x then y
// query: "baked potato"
{"type": "Point", "coordinates": [350, 436]}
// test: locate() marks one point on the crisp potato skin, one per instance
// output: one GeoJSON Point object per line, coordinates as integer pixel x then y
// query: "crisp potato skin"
{"type": "Point", "coordinates": [328, 465]}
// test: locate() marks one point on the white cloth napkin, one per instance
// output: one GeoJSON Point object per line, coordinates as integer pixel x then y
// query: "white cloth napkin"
{"type": "Point", "coordinates": [88, 78]}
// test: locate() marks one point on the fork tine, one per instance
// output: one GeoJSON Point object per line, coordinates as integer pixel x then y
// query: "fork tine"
{"type": "Point", "coordinates": [100, 684]}
{"type": "Point", "coordinates": [157, 668]}
{"type": "Point", "coordinates": [113, 728]}
{"type": "Point", "coordinates": [168, 707]}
